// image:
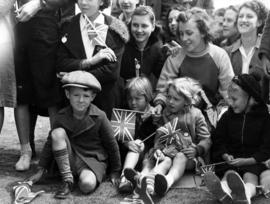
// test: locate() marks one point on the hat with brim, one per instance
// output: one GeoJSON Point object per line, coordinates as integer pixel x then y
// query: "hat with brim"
{"type": "Point", "coordinates": [81, 79]}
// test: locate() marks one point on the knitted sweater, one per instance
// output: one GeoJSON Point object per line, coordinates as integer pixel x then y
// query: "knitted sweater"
{"type": "Point", "coordinates": [212, 68]}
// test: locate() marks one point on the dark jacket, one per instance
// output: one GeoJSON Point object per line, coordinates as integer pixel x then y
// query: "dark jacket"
{"type": "Point", "coordinates": [255, 65]}
{"type": "Point", "coordinates": [151, 59]}
{"type": "Point", "coordinates": [90, 138]}
{"type": "Point", "coordinates": [243, 135]}
{"type": "Point", "coordinates": [71, 53]}
{"type": "Point", "coordinates": [265, 45]}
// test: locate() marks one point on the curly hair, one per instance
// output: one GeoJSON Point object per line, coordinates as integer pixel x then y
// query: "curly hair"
{"type": "Point", "coordinates": [260, 9]}
{"type": "Point", "coordinates": [201, 18]}
{"type": "Point", "coordinates": [188, 87]}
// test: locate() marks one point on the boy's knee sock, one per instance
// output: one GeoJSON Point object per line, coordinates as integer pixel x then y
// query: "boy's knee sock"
{"type": "Point", "coordinates": [150, 181]}
{"type": "Point", "coordinates": [62, 160]}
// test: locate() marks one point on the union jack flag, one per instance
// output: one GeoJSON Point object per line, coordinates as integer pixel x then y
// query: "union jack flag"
{"type": "Point", "coordinates": [171, 133]}
{"type": "Point", "coordinates": [123, 123]}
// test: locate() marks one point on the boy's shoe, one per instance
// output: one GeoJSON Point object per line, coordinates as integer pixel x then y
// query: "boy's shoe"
{"type": "Point", "coordinates": [125, 186]}
{"type": "Point", "coordinates": [213, 184]}
{"type": "Point", "coordinates": [161, 185]}
{"type": "Point", "coordinates": [65, 190]}
{"type": "Point", "coordinates": [237, 185]}
{"type": "Point", "coordinates": [132, 175]}
{"type": "Point", "coordinates": [23, 163]}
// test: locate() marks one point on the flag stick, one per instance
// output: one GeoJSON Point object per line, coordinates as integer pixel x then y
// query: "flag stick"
{"type": "Point", "coordinates": [141, 112]}
{"type": "Point", "coordinates": [216, 164]}
{"type": "Point", "coordinates": [93, 27]}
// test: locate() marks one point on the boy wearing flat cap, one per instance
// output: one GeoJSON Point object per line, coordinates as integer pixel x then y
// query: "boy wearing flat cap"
{"type": "Point", "coordinates": [241, 140]}
{"type": "Point", "coordinates": [81, 140]}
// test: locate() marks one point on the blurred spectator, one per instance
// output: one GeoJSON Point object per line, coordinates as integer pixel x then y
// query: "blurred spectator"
{"type": "Point", "coordinates": [230, 31]}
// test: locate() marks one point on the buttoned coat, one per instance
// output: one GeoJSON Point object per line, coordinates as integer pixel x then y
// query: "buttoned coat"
{"type": "Point", "coordinates": [91, 139]}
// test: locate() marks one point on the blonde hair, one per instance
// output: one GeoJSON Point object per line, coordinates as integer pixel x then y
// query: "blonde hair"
{"type": "Point", "coordinates": [188, 87]}
{"type": "Point", "coordinates": [142, 85]}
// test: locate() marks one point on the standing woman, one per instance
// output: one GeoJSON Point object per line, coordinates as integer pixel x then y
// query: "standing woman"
{"type": "Point", "coordinates": [244, 52]}
{"type": "Point", "coordinates": [198, 59]}
{"type": "Point", "coordinates": [7, 73]}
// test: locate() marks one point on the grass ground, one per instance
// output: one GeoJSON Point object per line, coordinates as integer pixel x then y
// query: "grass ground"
{"type": "Point", "coordinates": [105, 194]}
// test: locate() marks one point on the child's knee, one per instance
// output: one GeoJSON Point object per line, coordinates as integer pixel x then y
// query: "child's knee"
{"type": "Point", "coordinates": [87, 181]}
{"type": "Point", "coordinates": [58, 134]}
{"type": "Point", "coordinates": [87, 185]}
{"type": "Point", "coordinates": [265, 177]}
{"type": "Point", "coordinates": [167, 161]}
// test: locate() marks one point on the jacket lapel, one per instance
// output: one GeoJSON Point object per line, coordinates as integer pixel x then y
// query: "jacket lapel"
{"type": "Point", "coordinates": [75, 46]}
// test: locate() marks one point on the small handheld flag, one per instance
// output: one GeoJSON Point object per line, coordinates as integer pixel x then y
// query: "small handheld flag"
{"type": "Point", "coordinates": [123, 123]}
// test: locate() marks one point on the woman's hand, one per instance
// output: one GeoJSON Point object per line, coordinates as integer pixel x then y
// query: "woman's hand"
{"type": "Point", "coordinates": [135, 146]}
{"type": "Point", "coordinates": [140, 144]}
{"type": "Point", "coordinates": [28, 10]}
{"type": "Point", "coordinates": [106, 53]}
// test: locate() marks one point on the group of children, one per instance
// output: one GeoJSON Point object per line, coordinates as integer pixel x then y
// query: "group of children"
{"type": "Point", "coordinates": [81, 142]}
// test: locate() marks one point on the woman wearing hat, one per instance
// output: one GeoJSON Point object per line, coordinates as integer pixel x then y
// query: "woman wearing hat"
{"type": "Point", "coordinates": [242, 141]}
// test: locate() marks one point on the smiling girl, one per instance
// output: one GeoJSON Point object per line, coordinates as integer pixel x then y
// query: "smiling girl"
{"type": "Point", "coordinates": [244, 52]}
{"type": "Point", "coordinates": [143, 53]}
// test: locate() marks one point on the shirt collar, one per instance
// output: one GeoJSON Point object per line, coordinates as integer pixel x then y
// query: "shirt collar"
{"type": "Point", "coordinates": [238, 44]}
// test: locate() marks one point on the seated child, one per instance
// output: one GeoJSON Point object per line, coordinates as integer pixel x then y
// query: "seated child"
{"type": "Point", "coordinates": [139, 95]}
{"type": "Point", "coordinates": [242, 140]}
{"type": "Point", "coordinates": [81, 140]}
{"type": "Point", "coordinates": [176, 151]}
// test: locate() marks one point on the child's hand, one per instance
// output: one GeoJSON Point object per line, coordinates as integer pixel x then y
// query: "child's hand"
{"type": "Point", "coordinates": [242, 162]}
{"type": "Point", "coordinates": [106, 53]}
{"type": "Point", "coordinates": [190, 152]}
{"type": "Point", "coordinates": [133, 146]}
{"type": "Point", "coordinates": [267, 163]}
{"type": "Point", "coordinates": [28, 10]}
{"type": "Point", "coordinates": [114, 178]}
{"type": "Point", "coordinates": [227, 157]}
{"type": "Point", "coordinates": [140, 145]}
{"type": "Point", "coordinates": [159, 154]}
{"type": "Point", "coordinates": [156, 113]}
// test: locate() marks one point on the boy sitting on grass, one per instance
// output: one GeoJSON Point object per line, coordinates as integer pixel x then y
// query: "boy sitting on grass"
{"type": "Point", "coordinates": [81, 140]}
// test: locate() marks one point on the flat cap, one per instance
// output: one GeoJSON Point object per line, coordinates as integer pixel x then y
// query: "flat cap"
{"type": "Point", "coordinates": [81, 79]}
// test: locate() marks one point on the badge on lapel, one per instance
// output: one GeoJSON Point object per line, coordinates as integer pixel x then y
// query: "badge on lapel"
{"type": "Point", "coordinates": [64, 38]}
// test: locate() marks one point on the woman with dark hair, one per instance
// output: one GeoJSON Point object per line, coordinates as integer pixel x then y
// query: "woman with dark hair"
{"type": "Point", "coordinates": [198, 59]}
{"type": "Point", "coordinates": [244, 52]}
{"type": "Point", "coordinates": [127, 7]}
{"type": "Point", "coordinates": [143, 53]}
